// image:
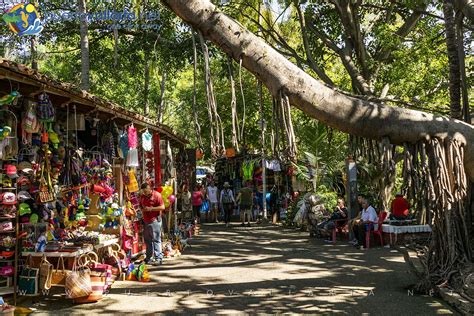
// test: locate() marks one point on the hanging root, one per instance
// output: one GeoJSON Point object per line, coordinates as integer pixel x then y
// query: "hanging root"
{"type": "Point", "coordinates": [288, 127]}
{"type": "Point", "coordinates": [449, 249]}
{"type": "Point", "coordinates": [435, 182]}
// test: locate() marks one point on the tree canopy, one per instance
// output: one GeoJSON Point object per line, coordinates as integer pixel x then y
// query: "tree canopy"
{"type": "Point", "coordinates": [393, 52]}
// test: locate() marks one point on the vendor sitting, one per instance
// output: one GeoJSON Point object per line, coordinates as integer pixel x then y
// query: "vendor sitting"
{"type": "Point", "coordinates": [399, 209]}
{"type": "Point", "coordinates": [337, 219]}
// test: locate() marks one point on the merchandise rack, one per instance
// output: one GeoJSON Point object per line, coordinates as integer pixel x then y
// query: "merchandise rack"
{"type": "Point", "coordinates": [8, 289]}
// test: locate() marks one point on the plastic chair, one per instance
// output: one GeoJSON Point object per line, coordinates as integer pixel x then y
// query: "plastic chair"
{"type": "Point", "coordinates": [340, 225]}
{"type": "Point", "coordinates": [378, 232]}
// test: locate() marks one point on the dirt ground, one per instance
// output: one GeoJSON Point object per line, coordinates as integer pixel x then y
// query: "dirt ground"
{"type": "Point", "coordinates": [265, 270]}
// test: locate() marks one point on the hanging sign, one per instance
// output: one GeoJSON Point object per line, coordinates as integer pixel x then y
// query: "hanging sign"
{"type": "Point", "coordinates": [23, 19]}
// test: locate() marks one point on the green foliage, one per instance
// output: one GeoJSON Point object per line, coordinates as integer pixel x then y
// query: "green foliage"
{"type": "Point", "coordinates": [416, 70]}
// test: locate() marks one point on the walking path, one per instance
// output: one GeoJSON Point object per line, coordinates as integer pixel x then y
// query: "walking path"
{"type": "Point", "coordinates": [266, 270]}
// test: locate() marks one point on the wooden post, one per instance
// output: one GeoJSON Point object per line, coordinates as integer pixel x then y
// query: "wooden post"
{"type": "Point", "coordinates": [351, 189]}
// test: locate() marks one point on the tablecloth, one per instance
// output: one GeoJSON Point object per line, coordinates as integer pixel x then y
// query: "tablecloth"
{"type": "Point", "coordinates": [391, 229]}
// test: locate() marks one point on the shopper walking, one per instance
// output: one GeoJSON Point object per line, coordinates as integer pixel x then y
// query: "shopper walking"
{"type": "Point", "coordinates": [227, 201]}
{"type": "Point", "coordinates": [213, 203]}
{"type": "Point", "coordinates": [197, 198]}
{"type": "Point", "coordinates": [152, 207]}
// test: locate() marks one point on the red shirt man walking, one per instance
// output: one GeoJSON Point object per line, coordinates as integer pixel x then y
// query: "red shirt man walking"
{"type": "Point", "coordinates": [152, 206]}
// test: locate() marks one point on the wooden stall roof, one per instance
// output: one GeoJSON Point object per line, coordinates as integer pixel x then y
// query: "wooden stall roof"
{"type": "Point", "coordinates": [30, 83]}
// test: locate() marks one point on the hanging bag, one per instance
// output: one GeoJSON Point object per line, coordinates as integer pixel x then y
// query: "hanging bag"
{"type": "Point", "coordinates": [205, 206]}
{"type": "Point", "coordinates": [45, 110]}
{"type": "Point", "coordinates": [28, 280]}
{"type": "Point", "coordinates": [30, 124]}
{"type": "Point", "coordinates": [78, 282]}
{"type": "Point", "coordinates": [45, 193]}
{"type": "Point", "coordinates": [59, 275]}
{"type": "Point", "coordinates": [46, 272]}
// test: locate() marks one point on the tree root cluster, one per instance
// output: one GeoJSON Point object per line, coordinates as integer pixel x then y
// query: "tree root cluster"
{"type": "Point", "coordinates": [434, 179]}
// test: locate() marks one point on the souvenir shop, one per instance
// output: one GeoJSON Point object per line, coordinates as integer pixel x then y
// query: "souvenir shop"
{"type": "Point", "coordinates": [71, 164]}
{"type": "Point", "coordinates": [242, 168]}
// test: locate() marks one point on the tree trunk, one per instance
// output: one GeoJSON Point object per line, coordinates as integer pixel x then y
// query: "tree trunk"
{"type": "Point", "coordinates": [34, 62]}
{"type": "Point", "coordinates": [197, 126]}
{"type": "Point", "coordinates": [342, 112]}
{"type": "Point", "coordinates": [453, 59]}
{"type": "Point", "coordinates": [233, 107]}
{"type": "Point", "coordinates": [467, 8]}
{"type": "Point", "coordinates": [146, 105]}
{"type": "Point", "coordinates": [161, 109]}
{"type": "Point", "coordinates": [466, 115]}
{"type": "Point", "coordinates": [85, 65]}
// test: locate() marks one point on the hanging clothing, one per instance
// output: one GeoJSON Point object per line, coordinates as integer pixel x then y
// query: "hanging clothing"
{"type": "Point", "coordinates": [247, 169]}
{"type": "Point", "coordinates": [132, 137]}
{"type": "Point", "coordinates": [123, 145]}
{"type": "Point", "coordinates": [147, 142]}
{"type": "Point", "coordinates": [273, 165]}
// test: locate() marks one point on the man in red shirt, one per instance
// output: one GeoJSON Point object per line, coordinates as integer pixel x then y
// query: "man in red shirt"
{"type": "Point", "coordinates": [152, 206]}
{"type": "Point", "coordinates": [400, 208]}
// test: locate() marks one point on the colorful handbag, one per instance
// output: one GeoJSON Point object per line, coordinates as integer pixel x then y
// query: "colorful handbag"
{"type": "Point", "coordinates": [205, 206]}
{"type": "Point", "coordinates": [28, 280]}
{"type": "Point", "coordinates": [98, 277]}
{"type": "Point", "coordinates": [78, 282]}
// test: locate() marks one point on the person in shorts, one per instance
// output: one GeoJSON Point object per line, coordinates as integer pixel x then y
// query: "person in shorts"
{"type": "Point", "coordinates": [213, 202]}
{"type": "Point", "coordinates": [245, 199]}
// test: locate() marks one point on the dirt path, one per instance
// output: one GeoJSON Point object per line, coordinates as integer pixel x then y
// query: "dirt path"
{"type": "Point", "coordinates": [266, 270]}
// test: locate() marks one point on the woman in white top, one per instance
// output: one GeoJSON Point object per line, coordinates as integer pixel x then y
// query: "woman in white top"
{"type": "Point", "coordinates": [213, 202]}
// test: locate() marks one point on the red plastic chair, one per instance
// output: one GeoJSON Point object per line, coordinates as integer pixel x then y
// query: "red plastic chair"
{"type": "Point", "coordinates": [382, 217]}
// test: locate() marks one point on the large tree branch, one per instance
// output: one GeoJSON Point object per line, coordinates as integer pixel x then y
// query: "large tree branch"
{"type": "Point", "coordinates": [467, 8]}
{"type": "Point", "coordinates": [344, 54]}
{"type": "Point", "coordinates": [347, 114]}
{"type": "Point", "coordinates": [409, 24]}
{"type": "Point", "coordinates": [347, 11]}
{"type": "Point", "coordinates": [309, 55]}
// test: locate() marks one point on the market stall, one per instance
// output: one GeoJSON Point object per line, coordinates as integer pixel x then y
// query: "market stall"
{"type": "Point", "coordinates": [242, 168]}
{"type": "Point", "coordinates": [71, 167]}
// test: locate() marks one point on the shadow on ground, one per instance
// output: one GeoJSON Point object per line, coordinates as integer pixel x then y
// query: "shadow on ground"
{"type": "Point", "coordinates": [266, 270]}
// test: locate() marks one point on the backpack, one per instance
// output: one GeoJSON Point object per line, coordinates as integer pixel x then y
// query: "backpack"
{"type": "Point", "coordinates": [29, 124]}
{"type": "Point", "coordinates": [45, 110]}
{"type": "Point", "coordinates": [226, 197]}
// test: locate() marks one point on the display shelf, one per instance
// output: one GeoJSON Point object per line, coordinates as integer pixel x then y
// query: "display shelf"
{"type": "Point", "coordinates": [7, 290]}
{"type": "Point", "coordinates": [55, 253]}
{"type": "Point", "coordinates": [8, 231]}
{"type": "Point", "coordinates": [106, 243]}
{"type": "Point", "coordinates": [7, 188]}
{"type": "Point", "coordinates": [6, 217]}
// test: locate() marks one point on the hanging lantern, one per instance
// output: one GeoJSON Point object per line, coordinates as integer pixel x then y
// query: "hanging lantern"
{"type": "Point", "coordinates": [230, 152]}
{"type": "Point", "coordinates": [199, 154]}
